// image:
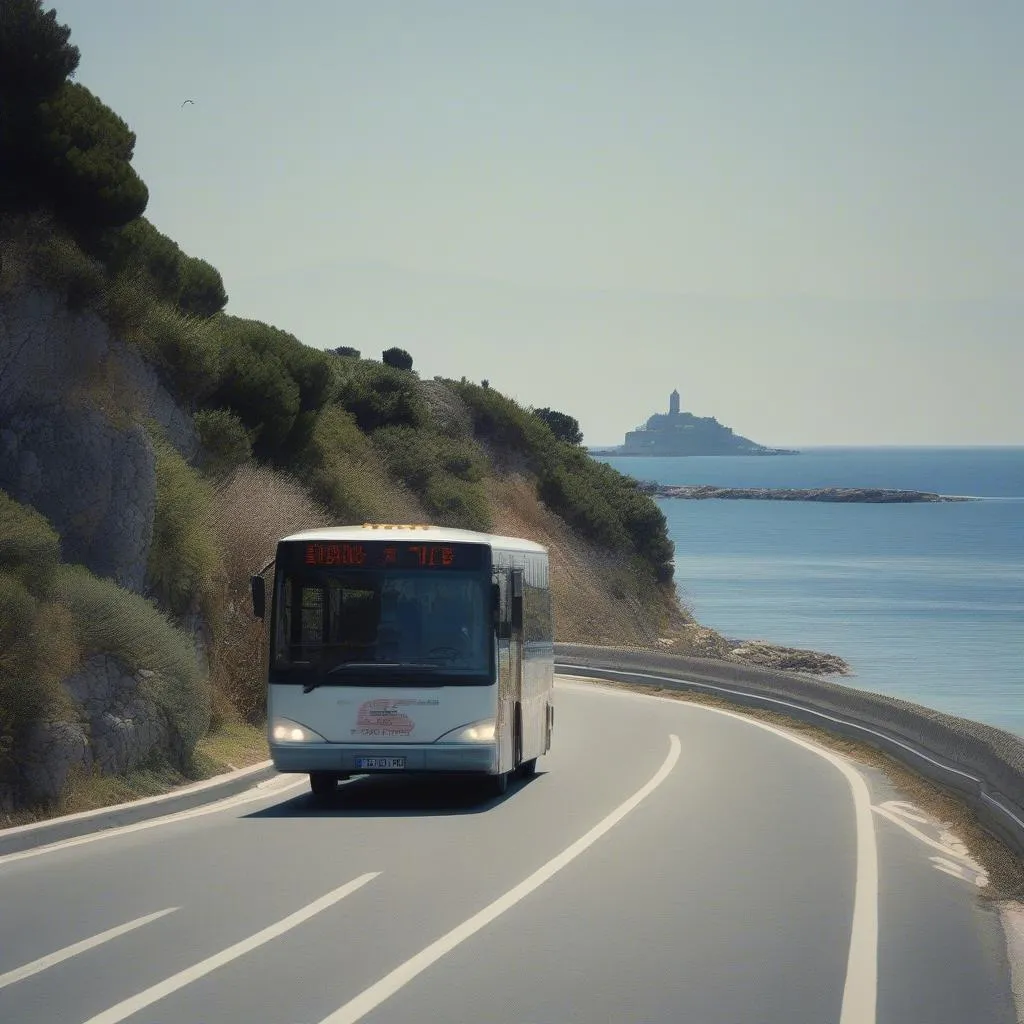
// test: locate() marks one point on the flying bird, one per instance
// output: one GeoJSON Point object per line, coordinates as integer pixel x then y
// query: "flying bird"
{"type": "Point", "coordinates": [193, 102]}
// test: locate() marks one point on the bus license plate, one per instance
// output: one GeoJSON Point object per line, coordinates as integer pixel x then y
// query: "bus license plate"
{"type": "Point", "coordinates": [380, 762]}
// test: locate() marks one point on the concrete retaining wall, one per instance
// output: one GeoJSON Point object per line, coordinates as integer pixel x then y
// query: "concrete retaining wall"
{"type": "Point", "coordinates": [983, 764]}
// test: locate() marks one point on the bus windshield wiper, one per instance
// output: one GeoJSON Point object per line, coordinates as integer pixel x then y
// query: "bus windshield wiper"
{"type": "Point", "coordinates": [382, 666]}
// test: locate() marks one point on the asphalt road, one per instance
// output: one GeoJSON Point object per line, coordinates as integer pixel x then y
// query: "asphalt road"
{"type": "Point", "coordinates": [668, 863]}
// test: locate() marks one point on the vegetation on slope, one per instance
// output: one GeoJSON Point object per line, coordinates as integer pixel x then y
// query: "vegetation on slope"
{"type": "Point", "coordinates": [368, 439]}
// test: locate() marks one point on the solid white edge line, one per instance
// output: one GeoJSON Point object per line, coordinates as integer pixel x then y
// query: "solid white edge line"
{"type": "Point", "coordinates": [52, 959]}
{"type": "Point", "coordinates": [164, 988]}
{"type": "Point", "coordinates": [226, 804]}
{"type": "Point", "coordinates": [860, 991]}
{"type": "Point", "coordinates": [146, 801]}
{"type": "Point", "coordinates": [370, 998]}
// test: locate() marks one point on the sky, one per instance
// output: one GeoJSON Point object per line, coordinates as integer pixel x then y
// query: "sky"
{"type": "Point", "coordinates": [806, 216]}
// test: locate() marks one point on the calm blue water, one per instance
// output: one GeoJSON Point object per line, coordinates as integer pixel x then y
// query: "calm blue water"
{"type": "Point", "coordinates": [924, 601]}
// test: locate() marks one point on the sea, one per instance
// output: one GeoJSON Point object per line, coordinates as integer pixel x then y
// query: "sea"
{"type": "Point", "coordinates": [924, 601]}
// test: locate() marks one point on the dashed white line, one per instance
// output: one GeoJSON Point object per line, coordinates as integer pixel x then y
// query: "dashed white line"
{"type": "Point", "coordinates": [52, 959]}
{"type": "Point", "coordinates": [370, 998]}
{"type": "Point", "coordinates": [164, 988]}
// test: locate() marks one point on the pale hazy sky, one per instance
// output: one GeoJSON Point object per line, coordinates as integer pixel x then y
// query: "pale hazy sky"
{"type": "Point", "coordinates": [808, 217]}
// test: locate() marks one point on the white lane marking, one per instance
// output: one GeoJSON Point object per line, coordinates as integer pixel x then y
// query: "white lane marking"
{"type": "Point", "coordinates": [961, 871]}
{"type": "Point", "coordinates": [906, 810]}
{"type": "Point", "coordinates": [164, 988]}
{"type": "Point", "coordinates": [370, 998]}
{"type": "Point", "coordinates": [196, 812]}
{"type": "Point", "coordinates": [860, 991]}
{"type": "Point", "coordinates": [52, 959]}
{"type": "Point", "coordinates": [952, 851]}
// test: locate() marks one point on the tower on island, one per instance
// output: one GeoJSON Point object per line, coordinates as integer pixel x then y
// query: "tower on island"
{"type": "Point", "coordinates": [673, 404]}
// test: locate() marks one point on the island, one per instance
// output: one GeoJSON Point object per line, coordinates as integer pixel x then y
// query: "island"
{"type": "Point", "coordinates": [870, 495]}
{"type": "Point", "coordinates": [681, 433]}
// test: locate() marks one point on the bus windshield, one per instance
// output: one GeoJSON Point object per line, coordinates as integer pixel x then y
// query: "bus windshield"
{"type": "Point", "coordinates": [339, 627]}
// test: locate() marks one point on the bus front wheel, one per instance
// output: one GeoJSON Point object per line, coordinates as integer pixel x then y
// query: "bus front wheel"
{"type": "Point", "coordinates": [323, 784]}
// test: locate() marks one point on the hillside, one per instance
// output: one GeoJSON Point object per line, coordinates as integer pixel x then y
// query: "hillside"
{"type": "Point", "coordinates": [153, 447]}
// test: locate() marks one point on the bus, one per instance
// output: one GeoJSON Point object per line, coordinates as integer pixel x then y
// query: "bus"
{"type": "Point", "coordinates": [407, 649]}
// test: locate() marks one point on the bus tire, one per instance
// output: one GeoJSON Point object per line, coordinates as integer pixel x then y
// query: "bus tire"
{"type": "Point", "coordinates": [323, 784]}
{"type": "Point", "coordinates": [529, 768]}
{"type": "Point", "coordinates": [498, 784]}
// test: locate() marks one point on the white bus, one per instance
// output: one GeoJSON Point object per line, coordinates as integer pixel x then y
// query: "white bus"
{"type": "Point", "coordinates": [408, 649]}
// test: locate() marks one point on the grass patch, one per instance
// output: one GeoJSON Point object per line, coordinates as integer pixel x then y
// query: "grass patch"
{"type": "Point", "coordinates": [234, 745]}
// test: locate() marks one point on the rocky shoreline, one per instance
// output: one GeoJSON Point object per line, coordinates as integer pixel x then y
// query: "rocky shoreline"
{"type": "Point", "coordinates": [867, 495]}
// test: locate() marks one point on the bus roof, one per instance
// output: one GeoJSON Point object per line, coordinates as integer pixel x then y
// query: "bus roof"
{"type": "Point", "coordinates": [430, 534]}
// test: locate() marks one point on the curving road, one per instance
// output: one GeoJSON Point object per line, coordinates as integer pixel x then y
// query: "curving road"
{"type": "Point", "coordinates": [668, 863]}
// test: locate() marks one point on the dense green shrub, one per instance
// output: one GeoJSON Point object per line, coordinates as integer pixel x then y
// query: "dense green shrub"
{"type": "Point", "coordinates": [109, 619]}
{"type": "Point", "coordinates": [443, 471]}
{"type": "Point", "coordinates": [564, 427]}
{"type": "Point", "coordinates": [453, 502]}
{"type": "Point", "coordinates": [29, 545]}
{"type": "Point", "coordinates": [183, 558]}
{"type": "Point", "coordinates": [607, 507]}
{"type": "Point", "coordinates": [36, 57]}
{"type": "Point", "coordinates": [77, 155]}
{"type": "Point", "coordinates": [397, 357]}
{"type": "Point", "coordinates": [504, 425]}
{"type": "Point", "coordinates": [139, 251]}
{"type": "Point", "coordinates": [59, 262]}
{"type": "Point", "coordinates": [224, 439]}
{"type": "Point", "coordinates": [37, 642]}
{"type": "Point", "coordinates": [379, 396]}
{"type": "Point", "coordinates": [202, 288]}
{"type": "Point", "coordinates": [276, 385]}
{"type": "Point", "coordinates": [127, 304]}
{"type": "Point", "coordinates": [186, 350]}
{"type": "Point", "coordinates": [344, 472]}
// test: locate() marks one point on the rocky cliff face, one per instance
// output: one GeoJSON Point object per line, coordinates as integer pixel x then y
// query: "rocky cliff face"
{"type": "Point", "coordinates": [71, 445]}
{"type": "Point", "coordinates": [118, 729]}
{"type": "Point", "coordinates": [60, 452]}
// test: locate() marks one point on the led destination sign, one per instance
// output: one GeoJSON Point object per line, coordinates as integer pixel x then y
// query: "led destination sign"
{"type": "Point", "coordinates": [385, 555]}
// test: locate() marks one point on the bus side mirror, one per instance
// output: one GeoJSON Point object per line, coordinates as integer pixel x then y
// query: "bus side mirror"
{"type": "Point", "coordinates": [259, 596]}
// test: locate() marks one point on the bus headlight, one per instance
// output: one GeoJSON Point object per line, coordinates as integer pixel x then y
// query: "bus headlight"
{"type": "Point", "coordinates": [478, 732]}
{"type": "Point", "coordinates": [285, 731]}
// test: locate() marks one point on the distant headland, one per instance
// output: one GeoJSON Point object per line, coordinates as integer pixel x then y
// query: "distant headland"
{"type": "Point", "coordinates": [682, 433]}
{"type": "Point", "coordinates": [868, 495]}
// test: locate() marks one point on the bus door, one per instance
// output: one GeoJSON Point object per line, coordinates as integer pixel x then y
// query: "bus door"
{"type": "Point", "coordinates": [510, 661]}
